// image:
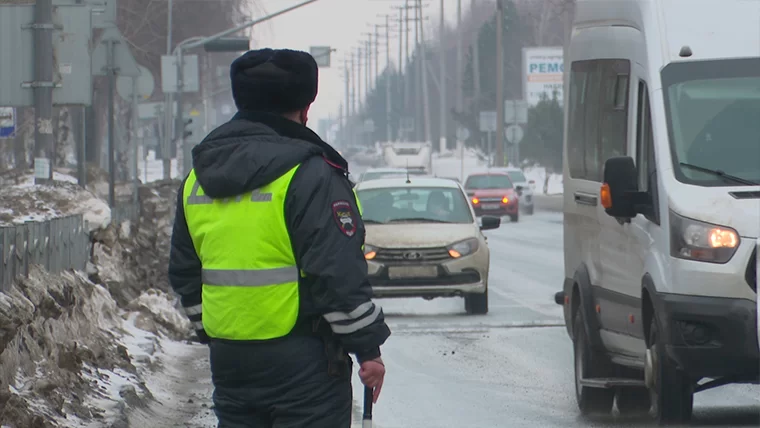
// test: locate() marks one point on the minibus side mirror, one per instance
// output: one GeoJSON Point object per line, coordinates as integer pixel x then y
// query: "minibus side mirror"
{"type": "Point", "coordinates": [620, 187]}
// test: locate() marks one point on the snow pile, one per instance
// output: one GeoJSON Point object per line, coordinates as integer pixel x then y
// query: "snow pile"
{"type": "Point", "coordinates": [25, 201]}
{"type": "Point", "coordinates": [548, 184]}
{"type": "Point", "coordinates": [75, 348]}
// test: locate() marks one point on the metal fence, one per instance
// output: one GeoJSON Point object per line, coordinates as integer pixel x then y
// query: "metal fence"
{"type": "Point", "coordinates": [57, 245]}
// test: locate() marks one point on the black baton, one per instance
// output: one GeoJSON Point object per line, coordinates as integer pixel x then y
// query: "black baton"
{"type": "Point", "coordinates": [367, 417]}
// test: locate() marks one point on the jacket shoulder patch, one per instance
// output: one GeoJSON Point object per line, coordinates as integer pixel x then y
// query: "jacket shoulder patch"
{"type": "Point", "coordinates": [345, 217]}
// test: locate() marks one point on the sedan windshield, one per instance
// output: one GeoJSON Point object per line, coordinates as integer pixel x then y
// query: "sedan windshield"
{"type": "Point", "coordinates": [491, 181]}
{"type": "Point", "coordinates": [713, 112]}
{"type": "Point", "coordinates": [414, 205]}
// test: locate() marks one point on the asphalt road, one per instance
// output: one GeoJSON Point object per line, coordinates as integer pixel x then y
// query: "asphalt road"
{"type": "Point", "coordinates": [514, 366]}
{"type": "Point", "coordinates": [510, 368]}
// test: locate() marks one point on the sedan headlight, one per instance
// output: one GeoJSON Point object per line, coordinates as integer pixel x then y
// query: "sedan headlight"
{"type": "Point", "coordinates": [463, 248]}
{"type": "Point", "coordinates": [370, 252]}
{"type": "Point", "coordinates": [695, 240]}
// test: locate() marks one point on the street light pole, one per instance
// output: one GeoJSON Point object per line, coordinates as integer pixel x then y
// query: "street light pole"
{"type": "Point", "coordinates": [423, 72]}
{"type": "Point", "coordinates": [195, 42]}
{"type": "Point", "coordinates": [499, 83]}
{"type": "Point", "coordinates": [388, 79]}
{"type": "Point", "coordinates": [442, 85]}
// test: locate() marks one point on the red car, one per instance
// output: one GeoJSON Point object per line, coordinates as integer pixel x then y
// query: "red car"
{"type": "Point", "coordinates": [493, 194]}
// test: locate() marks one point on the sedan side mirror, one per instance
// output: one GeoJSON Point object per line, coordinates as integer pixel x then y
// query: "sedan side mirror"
{"type": "Point", "coordinates": [620, 192]}
{"type": "Point", "coordinates": [488, 222]}
{"type": "Point", "coordinates": [519, 190]}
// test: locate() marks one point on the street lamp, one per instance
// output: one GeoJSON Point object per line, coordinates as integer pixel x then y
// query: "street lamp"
{"type": "Point", "coordinates": [228, 44]}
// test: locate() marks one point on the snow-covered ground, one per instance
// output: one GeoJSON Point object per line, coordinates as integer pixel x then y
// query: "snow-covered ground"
{"type": "Point", "coordinates": [26, 201]}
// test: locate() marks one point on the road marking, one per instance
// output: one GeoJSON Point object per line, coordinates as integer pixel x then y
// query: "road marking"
{"type": "Point", "coordinates": [474, 327]}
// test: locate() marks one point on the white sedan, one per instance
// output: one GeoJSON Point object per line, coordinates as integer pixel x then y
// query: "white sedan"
{"type": "Point", "coordinates": [423, 240]}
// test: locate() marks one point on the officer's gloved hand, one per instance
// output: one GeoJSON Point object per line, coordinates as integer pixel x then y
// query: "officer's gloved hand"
{"type": "Point", "coordinates": [202, 336]}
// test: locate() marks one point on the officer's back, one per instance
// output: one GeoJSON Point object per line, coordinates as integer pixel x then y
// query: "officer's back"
{"type": "Point", "coordinates": [267, 257]}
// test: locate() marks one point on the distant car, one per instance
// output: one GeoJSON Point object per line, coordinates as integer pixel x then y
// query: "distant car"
{"type": "Point", "coordinates": [523, 187]}
{"type": "Point", "coordinates": [423, 240]}
{"type": "Point", "coordinates": [375, 173]}
{"type": "Point", "coordinates": [493, 193]}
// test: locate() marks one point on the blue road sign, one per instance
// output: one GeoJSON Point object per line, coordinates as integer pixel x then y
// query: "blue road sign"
{"type": "Point", "coordinates": [7, 122]}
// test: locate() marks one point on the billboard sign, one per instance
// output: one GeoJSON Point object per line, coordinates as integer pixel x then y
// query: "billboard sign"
{"type": "Point", "coordinates": [543, 69]}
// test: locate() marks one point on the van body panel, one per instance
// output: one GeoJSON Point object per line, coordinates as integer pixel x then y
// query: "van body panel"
{"type": "Point", "coordinates": [626, 258]}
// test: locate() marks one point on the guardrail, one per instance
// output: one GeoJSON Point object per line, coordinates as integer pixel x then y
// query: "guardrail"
{"type": "Point", "coordinates": [57, 244]}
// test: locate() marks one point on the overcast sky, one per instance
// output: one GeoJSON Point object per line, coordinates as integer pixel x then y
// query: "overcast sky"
{"type": "Point", "coordinates": [339, 24]}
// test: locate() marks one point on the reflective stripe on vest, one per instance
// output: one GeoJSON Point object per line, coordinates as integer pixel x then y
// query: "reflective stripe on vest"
{"type": "Point", "coordinates": [250, 276]}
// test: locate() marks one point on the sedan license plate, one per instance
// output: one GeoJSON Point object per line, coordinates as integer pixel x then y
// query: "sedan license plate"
{"type": "Point", "coordinates": [412, 272]}
{"type": "Point", "coordinates": [491, 206]}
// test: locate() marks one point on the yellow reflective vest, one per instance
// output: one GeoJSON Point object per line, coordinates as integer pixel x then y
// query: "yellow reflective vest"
{"type": "Point", "coordinates": [249, 272]}
{"type": "Point", "coordinates": [250, 276]}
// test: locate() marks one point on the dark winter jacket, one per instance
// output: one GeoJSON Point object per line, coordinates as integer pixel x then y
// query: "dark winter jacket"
{"type": "Point", "coordinates": [254, 149]}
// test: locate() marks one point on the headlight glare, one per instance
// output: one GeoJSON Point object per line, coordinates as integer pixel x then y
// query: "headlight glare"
{"type": "Point", "coordinates": [370, 252]}
{"type": "Point", "coordinates": [463, 248]}
{"type": "Point", "coordinates": [695, 240]}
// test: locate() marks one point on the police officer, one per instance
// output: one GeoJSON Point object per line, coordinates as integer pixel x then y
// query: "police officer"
{"type": "Point", "coordinates": [267, 257]}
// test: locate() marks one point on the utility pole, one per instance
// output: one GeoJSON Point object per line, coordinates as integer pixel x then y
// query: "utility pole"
{"type": "Point", "coordinates": [368, 67]}
{"type": "Point", "coordinates": [347, 104]}
{"type": "Point", "coordinates": [460, 60]}
{"type": "Point", "coordinates": [423, 72]}
{"type": "Point", "coordinates": [499, 83]}
{"type": "Point", "coordinates": [168, 106]}
{"type": "Point", "coordinates": [407, 85]}
{"type": "Point", "coordinates": [476, 63]}
{"type": "Point", "coordinates": [111, 66]}
{"type": "Point", "coordinates": [442, 103]}
{"type": "Point", "coordinates": [43, 90]}
{"type": "Point", "coordinates": [388, 77]}
{"type": "Point", "coordinates": [377, 52]}
{"type": "Point", "coordinates": [359, 94]}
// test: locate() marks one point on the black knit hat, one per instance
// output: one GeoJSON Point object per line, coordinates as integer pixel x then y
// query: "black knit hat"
{"type": "Point", "coordinates": [274, 80]}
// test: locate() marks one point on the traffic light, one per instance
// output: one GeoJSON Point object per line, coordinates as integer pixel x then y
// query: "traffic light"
{"type": "Point", "coordinates": [186, 132]}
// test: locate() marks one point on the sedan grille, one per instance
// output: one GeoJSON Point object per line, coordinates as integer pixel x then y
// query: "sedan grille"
{"type": "Point", "coordinates": [412, 255]}
{"type": "Point", "coordinates": [490, 199]}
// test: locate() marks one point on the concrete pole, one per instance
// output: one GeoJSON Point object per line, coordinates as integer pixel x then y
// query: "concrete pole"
{"type": "Point", "coordinates": [423, 71]}
{"type": "Point", "coordinates": [499, 83]}
{"type": "Point", "coordinates": [407, 81]}
{"type": "Point", "coordinates": [43, 91]}
{"type": "Point", "coordinates": [168, 106]}
{"type": "Point", "coordinates": [111, 113]}
{"type": "Point", "coordinates": [369, 65]}
{"type": "Point", "coordinates": [133, 140]}
{"type": "Point", "coordinates": [476, 63]}
{"type": "Point", "coordinates": [354, 80]}
{"type": "Point", "coordinates": [460, 60]}
{"type": "Point", "coordinates": [388, 79]}
{"type": "Point", "coordinates": [359, 94]}
{"type": "Point", "coordinates": [377, 53]}
{"type": "Point", "coordinates": [442, 86]}
{"type": "Point", "coordinates": [400, 41]}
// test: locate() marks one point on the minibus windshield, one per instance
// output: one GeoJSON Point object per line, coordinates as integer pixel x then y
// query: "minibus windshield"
{"type": "Point", "coordinates": [713, 116]}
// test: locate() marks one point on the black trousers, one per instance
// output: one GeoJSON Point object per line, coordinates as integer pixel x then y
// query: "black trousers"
{"type": "Point", "coordinates": [279, 384]}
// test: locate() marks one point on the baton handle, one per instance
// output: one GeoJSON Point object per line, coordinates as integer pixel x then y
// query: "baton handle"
{"type": "Point", "coordinates": [367, 416]}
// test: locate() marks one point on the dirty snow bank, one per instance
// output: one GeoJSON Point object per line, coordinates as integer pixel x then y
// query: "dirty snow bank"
{"type": "Point", "coordinates": [76, 348]}
{"type": "Point", "coordinates": [25, 201]}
